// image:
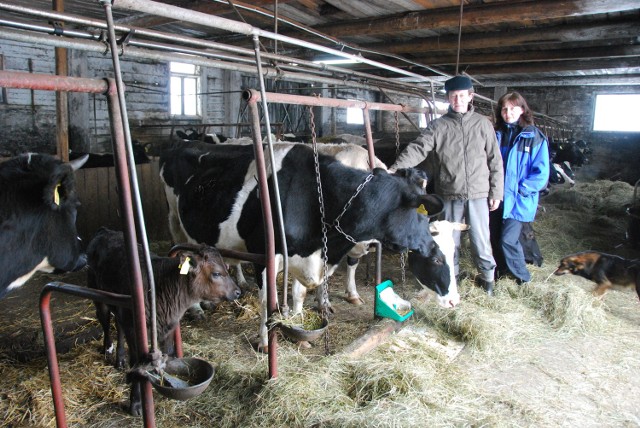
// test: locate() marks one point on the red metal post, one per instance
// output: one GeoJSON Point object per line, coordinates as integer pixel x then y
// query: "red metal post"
{"type": "Point", "coordinates": [131, 244]}
{"type": "Point", "coordinates": [270, 248]}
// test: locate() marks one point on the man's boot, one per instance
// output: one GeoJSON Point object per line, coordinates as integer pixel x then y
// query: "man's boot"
{"type": "Point", "coordinates": [486, 285]}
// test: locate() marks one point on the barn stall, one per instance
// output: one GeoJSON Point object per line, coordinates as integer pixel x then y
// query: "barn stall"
{"type": "Point", "coordinates": [363, 383]}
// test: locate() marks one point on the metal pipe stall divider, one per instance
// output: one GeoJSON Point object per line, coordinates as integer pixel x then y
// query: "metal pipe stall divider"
{"type": "Point", "coordinates": [212, 21]}
{"type": "Point", "coordinates": [49, 339]}
{"type": "Point", "coordinates": [23, 80]}
{"type": "Point", "coordinates": [270, 247]}
{"type": "Point", "coordinates": [326, 70]}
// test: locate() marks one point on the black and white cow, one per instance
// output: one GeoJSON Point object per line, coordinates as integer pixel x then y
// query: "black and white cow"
{"type": "Point", "coordinates": [216, 194]}
{"type": "Point", "coordinates": [38, 207]}
{"type": "Point", "coordinates": [351, 155]}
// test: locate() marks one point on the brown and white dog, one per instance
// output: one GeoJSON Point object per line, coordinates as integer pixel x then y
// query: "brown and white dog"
{"type": "Point", "coordinates": [606, 270]}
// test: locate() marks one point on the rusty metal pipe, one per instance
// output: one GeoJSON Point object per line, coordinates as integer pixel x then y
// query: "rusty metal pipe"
{"type": "Point", "coordinates": [47, 82]}
{"type": "Point", "coordinates": [284, 248]}
{"type": "Point", "coordinates": [49, 338]}
{"type": "Point", "coordinates": [369, 137]}
{"type": "Point", "coordinates": [10, 79]}
{"type": "Point", "coordinates": [272, 97]}
{"type": "Point", "coordinates": [201, 18]}
{"type": "Point", "coordinates": [270, 248]}
{"type": "Point", "coordinates": [131, 246]}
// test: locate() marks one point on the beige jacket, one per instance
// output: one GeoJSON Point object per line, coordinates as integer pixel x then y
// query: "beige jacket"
{"type": "Point", "coordinates": [465, 158]}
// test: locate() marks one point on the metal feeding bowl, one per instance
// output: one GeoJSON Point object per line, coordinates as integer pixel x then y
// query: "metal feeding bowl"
{"type": "Point", "coordinates": [182, 378]}
{"type": "Point", "coordinates": [299, 334]}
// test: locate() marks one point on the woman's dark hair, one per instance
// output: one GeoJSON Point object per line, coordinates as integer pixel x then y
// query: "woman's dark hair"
{"type": "Point", "coordinates": [517, 100]}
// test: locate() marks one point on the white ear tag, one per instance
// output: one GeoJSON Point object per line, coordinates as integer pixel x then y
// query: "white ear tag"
{"type": "Point", "coordinates": [184, 267]}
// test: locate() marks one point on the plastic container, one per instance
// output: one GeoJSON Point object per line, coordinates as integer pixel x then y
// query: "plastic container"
{"type": "Point", "coordinates": [390, 305]}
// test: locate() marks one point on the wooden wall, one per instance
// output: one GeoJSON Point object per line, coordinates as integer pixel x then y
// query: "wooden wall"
{"type": "Point", "coordinates": [98, 193]}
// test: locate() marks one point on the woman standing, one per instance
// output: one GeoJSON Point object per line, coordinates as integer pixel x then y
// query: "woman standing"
{"type": "Point", "coordinates": [525, 157]}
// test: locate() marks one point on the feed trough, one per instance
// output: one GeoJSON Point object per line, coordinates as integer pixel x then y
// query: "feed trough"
{"type": "Point", "coordinates": [300, 334]}
{"type": "Point", "coordinates": [389, 305]}
{"type": "Point", "coordinates": [182, 378]}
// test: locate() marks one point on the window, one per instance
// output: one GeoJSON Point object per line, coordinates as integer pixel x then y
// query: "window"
{"type": "Point", "coordinates": [616, 113]}
{"type": "Point", "coordinates": [354, 116]}
{"type": "Point", "coordinates": [439, 106]}
{"type": "Point", "coordinates": [185, 89]}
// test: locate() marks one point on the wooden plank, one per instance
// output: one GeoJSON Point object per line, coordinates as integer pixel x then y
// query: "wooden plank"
{"type": "Point", "coordinates": [484, 14]}
{"type": "Point", "coordinates": [373, 337]}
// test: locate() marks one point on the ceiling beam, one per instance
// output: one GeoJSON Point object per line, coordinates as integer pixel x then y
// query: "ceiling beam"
{"type": "Point", "coordinates": [601, 52]}
{"type": "Point", "coordinates": [573, 67]}
{"type": "Point", "coordinates": [501, 39]}
{"type": "Point", "coordinates": [212, 8]}
{"type": "Point", "coordinates": [484, 14]}
{"type": "Point", "coordinates": [524, 82]}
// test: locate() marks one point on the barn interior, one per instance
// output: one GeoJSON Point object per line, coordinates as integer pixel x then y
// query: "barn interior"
{"type": "Point", "coordinates": [185, 67]}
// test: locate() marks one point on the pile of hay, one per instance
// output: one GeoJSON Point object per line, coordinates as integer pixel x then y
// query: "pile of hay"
{"type": "Point", "coordinates": [426, 375]}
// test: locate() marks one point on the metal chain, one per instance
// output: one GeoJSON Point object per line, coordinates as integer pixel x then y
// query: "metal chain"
{"type": "Point", "coordinates": [336, 222]}
{"type": "Point", "coordinates": [397, 129]}
{"type": "Point", "coordinates": [403, 254]}
{"type": "Point", "coordinates": [324, 304]}
{"type": "Point", "coordinates": [403, 264]}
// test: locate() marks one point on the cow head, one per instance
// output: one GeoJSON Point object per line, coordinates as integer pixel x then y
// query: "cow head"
{"type": "Point", "coordinates": [63, 247]}
{"type": "Point", "coordinates": [423, 267]}
{"type": "Point", "coordinates": [408, 226]}
{"type": "Point", "coordinates": [207, 271]}
{"type": "Point", "coordinates": [432, 271]}
{"type": "Point", "coordinates": [38, 215]}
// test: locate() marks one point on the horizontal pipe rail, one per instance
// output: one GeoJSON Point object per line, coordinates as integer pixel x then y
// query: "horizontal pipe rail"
{"type": "Point", "coordinates": [48, 82]}
{"type": "Point", "coordinates": [250, 95]}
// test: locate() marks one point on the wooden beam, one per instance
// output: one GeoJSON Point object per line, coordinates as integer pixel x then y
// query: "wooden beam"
{"type": "Point", "coordinates": [501, 39]}
{"type": "Point", "coordinates": [527, 81]}
{"type": "Point", "coordinates": [601, 52]}
{"type": "Point", "coordinates": [212, 8]}
{"type": "Point", "coordinates": [573, 67]}
{"type": "Point", "coordinates": [485, 14]}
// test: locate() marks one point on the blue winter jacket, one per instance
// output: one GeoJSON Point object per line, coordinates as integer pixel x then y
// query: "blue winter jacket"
{"type": "Point", "coordinates": [526, 172]}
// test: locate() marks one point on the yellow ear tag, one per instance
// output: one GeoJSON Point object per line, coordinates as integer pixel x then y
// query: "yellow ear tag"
{"type": "Point", "coordinates": [184, 267]}
{"type": "Point", "coordinates": [56, 195]}
{"type": "Point", "coordinates": [422, 210]}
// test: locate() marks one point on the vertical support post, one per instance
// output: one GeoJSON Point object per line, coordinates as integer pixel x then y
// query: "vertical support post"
{"type": "Point", "coordinates": [62, 107]}
{"type": "Point", "coordinates": [369, 137]}
{"type": "Point", "coordinates": [131, 245]}
{"type": "Point", "coordinates": [52, 357]}
{"type": "Point", "coordinates": [270, 247]}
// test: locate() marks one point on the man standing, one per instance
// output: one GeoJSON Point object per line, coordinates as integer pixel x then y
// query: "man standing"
{"type": "Point", "coordinates": [467, 171]}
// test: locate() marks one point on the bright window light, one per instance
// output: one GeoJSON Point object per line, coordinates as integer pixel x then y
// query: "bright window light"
{"type": "Point", "coordinates": [616, 113]}
{"type": "Point", "coordinates": [185, 89]}
{"type": "Point", "coordinates": [354, 116]}
{"type": "Point", "coordinates": [439, 105]}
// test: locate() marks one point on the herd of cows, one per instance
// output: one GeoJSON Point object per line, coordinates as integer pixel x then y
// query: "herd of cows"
{"type": "Point", "coordinates": [213, 199]}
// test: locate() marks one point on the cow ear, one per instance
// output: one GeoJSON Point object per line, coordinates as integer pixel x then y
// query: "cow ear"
{"type": "Point", "coordinates": [433, 203]}
{"type": "Point", "coordinates": [55, 194]}
{"type": "Point", "coordinates": [186, 263]}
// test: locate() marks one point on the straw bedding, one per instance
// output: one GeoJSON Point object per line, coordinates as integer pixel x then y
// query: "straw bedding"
{"type": "Point", "coordinates": [544, 354]}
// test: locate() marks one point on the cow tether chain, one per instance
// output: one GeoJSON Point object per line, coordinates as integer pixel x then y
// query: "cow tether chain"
{"type": "Point", "coordinates": [397, 133]}
{"type": "Point", "coordinates": [403, 254]}
{"type": "Point", "coordinates": [336, 222]}
{"type": "Point", "coordinates": [324, 304]}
